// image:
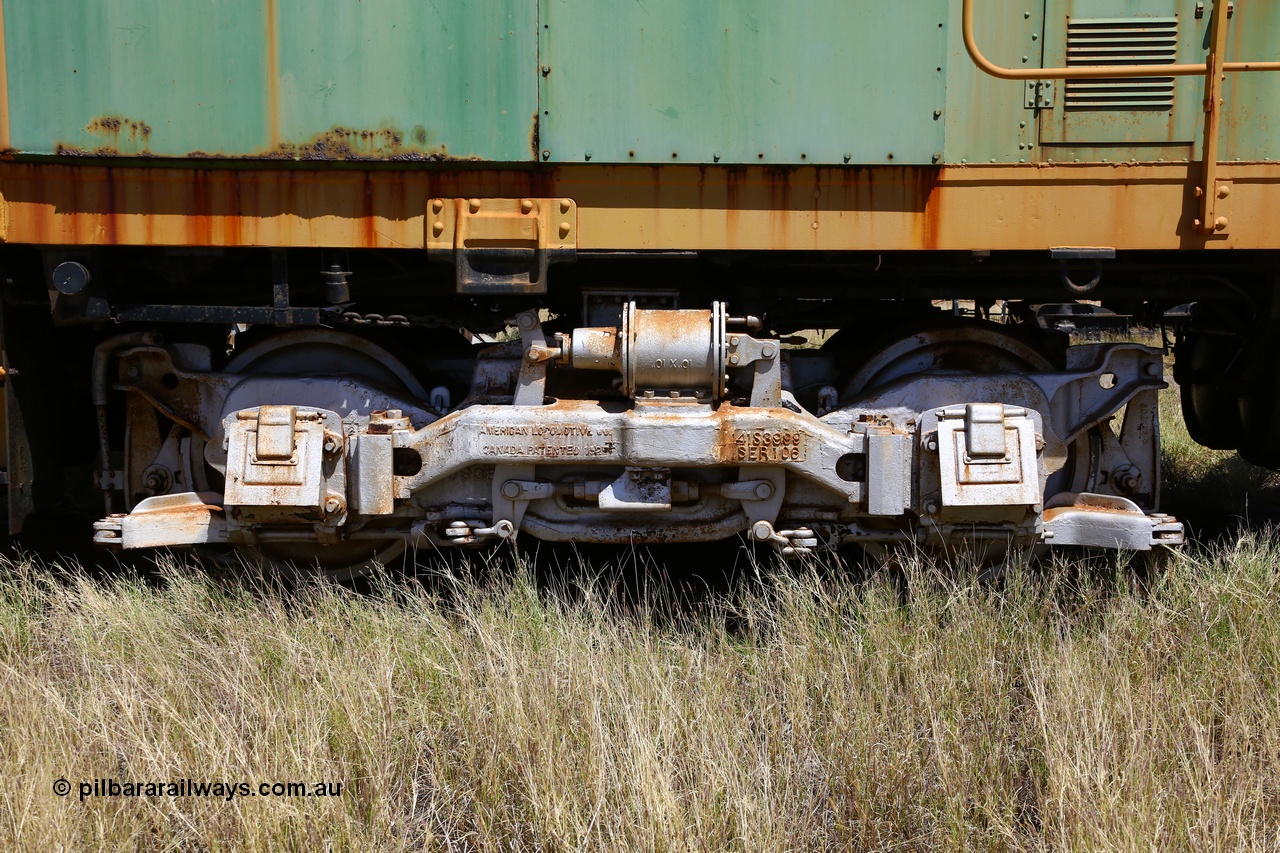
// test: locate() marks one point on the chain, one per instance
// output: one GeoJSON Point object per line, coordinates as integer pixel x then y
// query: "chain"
{"type": "Point", "coordinates": [356, 319]}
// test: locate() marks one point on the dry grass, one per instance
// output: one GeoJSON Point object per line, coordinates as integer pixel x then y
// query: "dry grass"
{"type": "Point", "coordinates": [1062, 709]}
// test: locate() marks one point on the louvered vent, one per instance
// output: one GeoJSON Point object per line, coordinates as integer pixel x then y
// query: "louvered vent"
{"type": "Point", "coordinates": [1121, 41]}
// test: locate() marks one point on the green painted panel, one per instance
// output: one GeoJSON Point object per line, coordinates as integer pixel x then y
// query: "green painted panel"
{"type": "Point", "coordinates": [1251, 124]}
{"type": "Point", "coordinates": [1100, 115]}
{"type": "Point", "coordinates": [987, 120]}
{"type": "Point", "coordinates": [380, 79]}
{"type": "Point", "coordinates": [755, 81]}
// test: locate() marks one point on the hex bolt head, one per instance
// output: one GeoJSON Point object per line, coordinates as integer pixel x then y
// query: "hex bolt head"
{"type": "Point", "coordinates": [767, 351]}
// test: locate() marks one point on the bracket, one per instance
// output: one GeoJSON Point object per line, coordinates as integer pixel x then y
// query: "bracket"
{"type": "Point", "coordinates": [1039, 94]}
{"type": "Point", "coordinates": [502, 245]}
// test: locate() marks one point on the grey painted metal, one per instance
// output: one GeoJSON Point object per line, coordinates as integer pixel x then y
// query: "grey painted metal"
{"type": "Point", "coordinates": [935, 458]}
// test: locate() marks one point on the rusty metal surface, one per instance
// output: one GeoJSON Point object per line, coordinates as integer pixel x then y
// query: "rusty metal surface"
{"type": "Point", "coordinates": [391, 80]}
{"type": "Point", "coordinates": [1149, 206]}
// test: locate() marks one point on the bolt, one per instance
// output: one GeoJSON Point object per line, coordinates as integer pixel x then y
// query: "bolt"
{"type": "Point", "coordinates": [333, 506]}
{"type": "Point", "coordinates": [733, 359]}
{"type": "Point", "coordinates": [474, 204]}
{"type": "Point", "coordinates": [330, 445]}
{"type": "Point", "coordinates": [133, 373]}
{"type": "Point", "coordinates": [511, 490]}
{"type": "Point", "coordinates": [564, 230]}
{"type": "Point", "coordinates": [1224, 191]}
{"type": "Point", "coordinates": [546, 155]}
{"type": "Point", "coordinates": [733, 340]}
{"type": "Point", "coordinates": [1151, 369]}
{"type": "Point", "coordinates": [764, 491]}
{"type": "Point", "coordinates": [931, 444]}
{"type": "Point", "coordinates": [766, 351]}
{"type": "Point", "coordinates": [716, 156]}
{"type": "Point", "coordinates": [587, 155]}
{"type": "Point", "coordinates": [1221, 223]}
{"type": "Point", "coordinates": [437, 227]}
{"type": "Point", "coordinates": [526, 206]}
{"type": "Point", "coordinates": [528, 321]}
{"type": "Point", "coordinates": [565, 204]}
{"type": "Point", "coordinates": [436, 205]}
{"type": "Point", "coordinates": [847, 156]}
{"type": "Point", "coordinates": [761, 531]}
{"type": "Point", "coordinates": [937, 113]}
{"type": "Point", "coordinates": [546, 69]}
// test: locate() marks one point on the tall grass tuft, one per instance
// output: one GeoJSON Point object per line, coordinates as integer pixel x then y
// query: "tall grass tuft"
{"type": "Point", "coordinates": [1062, 708]}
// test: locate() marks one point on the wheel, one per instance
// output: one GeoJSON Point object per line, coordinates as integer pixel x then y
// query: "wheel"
{"type": "Point", "coordinates": [1210, 410]}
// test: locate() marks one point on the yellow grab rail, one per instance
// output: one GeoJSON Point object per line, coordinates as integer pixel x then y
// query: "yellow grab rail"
{"type": "Point", "coordinates": [1096, 71]}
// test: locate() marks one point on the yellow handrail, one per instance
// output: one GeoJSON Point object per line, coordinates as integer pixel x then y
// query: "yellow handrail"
{"type": "Point", "coordinates": [1095, 71]}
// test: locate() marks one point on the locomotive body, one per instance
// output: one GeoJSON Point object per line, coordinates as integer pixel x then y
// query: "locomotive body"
{"type": "Point", "coordinates": [323, 281]}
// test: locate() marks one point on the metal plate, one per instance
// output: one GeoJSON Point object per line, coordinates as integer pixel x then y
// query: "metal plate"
{"type": "Point", "coordinates": [282, 79]}
{"type": "Point", "coordinates": [742, 81]}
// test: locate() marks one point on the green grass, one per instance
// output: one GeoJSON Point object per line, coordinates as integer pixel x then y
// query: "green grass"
{"type": "Point", "coordinates": [1063, 708]}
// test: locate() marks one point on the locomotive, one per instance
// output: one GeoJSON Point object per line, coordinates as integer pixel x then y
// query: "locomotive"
{"type": "Point", "coordinates": [322, 281]}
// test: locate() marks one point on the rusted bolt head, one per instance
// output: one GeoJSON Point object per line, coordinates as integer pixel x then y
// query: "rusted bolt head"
{"type": "Point", "coordinates": [333, 506]}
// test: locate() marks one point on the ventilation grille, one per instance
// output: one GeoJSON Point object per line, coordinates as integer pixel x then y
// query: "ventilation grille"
{"type": "Point", "coordinates": [1121, 41]}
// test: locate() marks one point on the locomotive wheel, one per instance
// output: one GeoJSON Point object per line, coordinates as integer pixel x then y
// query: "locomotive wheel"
{"type": "Point", "coordinates": [978, 348]}
{"type": "Point", "coordinates": [1258, 408]}
{"type": "Point", "coordinates": [1212, 415]}
{"type": "Point", "coordinates": [313, 352]}
{"type": "Point", "coordinates": [973, 347]}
